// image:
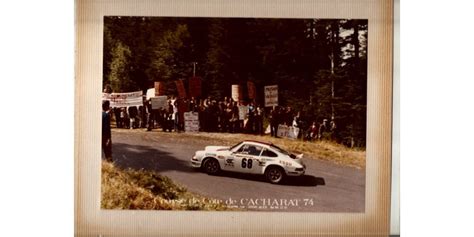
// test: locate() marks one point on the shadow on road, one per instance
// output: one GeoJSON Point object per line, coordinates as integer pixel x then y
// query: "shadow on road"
{"type": "Point", "coordinates": [147, 158]}
{"type": "Point", "coordinates": [305, 180]}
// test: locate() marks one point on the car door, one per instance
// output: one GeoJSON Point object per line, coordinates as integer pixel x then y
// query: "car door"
{"type": "Point", "coordinates": [229, 158]}
{"type": "Point", "coordinates": [246, 158]}
{"type": "Point", "coordinates": [267, 156]}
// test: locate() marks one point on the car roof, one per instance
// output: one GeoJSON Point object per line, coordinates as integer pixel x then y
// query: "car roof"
{"type": "Point", "coordinates": [258, 142]}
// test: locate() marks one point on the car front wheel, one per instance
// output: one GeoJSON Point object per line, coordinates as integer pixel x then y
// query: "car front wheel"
{"type": "Point", "coordinates": [211, 166]}
{"type": "Point", "coordinates": [274, 174]}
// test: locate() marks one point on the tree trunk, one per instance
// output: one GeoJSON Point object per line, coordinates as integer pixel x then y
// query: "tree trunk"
{"type": "Point", "coordinates": [355, 74]}
{"type": "Point", "coordinates": [333, 57]}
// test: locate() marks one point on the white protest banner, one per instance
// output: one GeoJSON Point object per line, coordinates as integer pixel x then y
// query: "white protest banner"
{"type": "Point", "coordinates": [105, 96]}
{"type": "Point", "coordinates": [243, 111]}
{"type": "Point", "coordinates": [288, 131]}
{"type": "Point", "coordinates": [236, 93]}
{"type": "Point", "coordinates": [191, 122]}
{"type": "Point", "coordinates": [283, 131]}
{"type": "Point", "coordinates": [159, 102]}
{"type": "Point", "coordinates": [124, 99]}
{"type": "Point", "coordinates": [271, 96]}
{"type": "Point", "coordinates": [150, 93]}
{"type": "Point", "coordinates": [293, 132]}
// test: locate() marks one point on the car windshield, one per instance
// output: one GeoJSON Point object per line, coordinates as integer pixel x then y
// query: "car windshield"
{"type": "Point", "coordinates": [234, 146]}
{"type": "Point", "coordinates": [280, 150]}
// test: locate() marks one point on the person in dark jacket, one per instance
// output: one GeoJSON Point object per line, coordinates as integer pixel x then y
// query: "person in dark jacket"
{"type": "Point", "coordinates": [150, 116]}
{"type": "Point", "coordinates": [106, 131]}
{"type": "Point", "coordinates": [118, 121]}
{"type": "Point", "coordinates": [133, 112]}
{"type": "Point", "coordinates": [323, 130]}
{"type": "Point", "coordinates": [274, 121]}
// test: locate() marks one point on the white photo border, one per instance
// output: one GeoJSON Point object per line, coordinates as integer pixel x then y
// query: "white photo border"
{"type": "Point", "coordinates": [91, 220]}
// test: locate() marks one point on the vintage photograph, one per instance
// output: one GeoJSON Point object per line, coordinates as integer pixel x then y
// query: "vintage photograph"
{"type": "Point", "coordinates": [234, 114]}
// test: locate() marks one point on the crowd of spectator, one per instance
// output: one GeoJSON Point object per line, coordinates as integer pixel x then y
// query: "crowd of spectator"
{"type": "Point", "coordinates": [223, 115]}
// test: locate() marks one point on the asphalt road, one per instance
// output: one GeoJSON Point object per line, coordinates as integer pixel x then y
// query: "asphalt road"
{"type": "Point", "coordinates": [326, 187]}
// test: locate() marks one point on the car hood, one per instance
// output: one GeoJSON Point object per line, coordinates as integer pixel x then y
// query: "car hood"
{"type": "Point", "coordinates": [299, 159]}
{"type": "Point", "coordinates": [216, 148]}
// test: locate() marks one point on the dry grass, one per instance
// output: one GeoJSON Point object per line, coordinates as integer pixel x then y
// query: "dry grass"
{"type": "Point", "coordinates": [146, 190]}
{"type": "Point", "coordinates": [322, 150]}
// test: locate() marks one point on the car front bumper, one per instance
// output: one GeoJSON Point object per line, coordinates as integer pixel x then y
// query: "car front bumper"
{"type": "Point", "coordinates": [196, 163]}
{"type": "Point", "coordinates": [295, 172]}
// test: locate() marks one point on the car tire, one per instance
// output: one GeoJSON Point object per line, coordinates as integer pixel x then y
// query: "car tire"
{"type": "Point", "coordinates": [211, 166]}
{"type": "Point", "coordinates": [274, 174]}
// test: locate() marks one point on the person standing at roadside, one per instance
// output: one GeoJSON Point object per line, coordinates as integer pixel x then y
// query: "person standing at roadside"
{"type": "Point", "coordinates": [124, 118]}
{"type": "Point", "coordinates": [169, 117]}
{"type": "Point", "coordinates": [106, 131]}
{"type": "Point", "coordinates": [323, 130]}
{"type": "Point", "coordinates": [132, 112]}
{"type": "Point", "coordinates": [332, 129]}
{"type": "Point", "coordinates": [118, 121]}
{"type": "Point", "coordinates": [259, 120]}
{"type": "Point", "coordinates": [150, 116]}
{"type": "Point", "coordinates": [274, 121]}
{"type": "Point", "coordinates": [313, 132]}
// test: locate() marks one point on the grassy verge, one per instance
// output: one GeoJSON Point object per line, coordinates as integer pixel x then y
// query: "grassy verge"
{"type": "Point", "coordinates": [146, 190]}
{"type": "Point", "coordinates": [321, 150]}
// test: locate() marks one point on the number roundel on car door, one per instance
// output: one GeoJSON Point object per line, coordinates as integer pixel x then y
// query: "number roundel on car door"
{"type": "Point", "coordinates": [247, 155]}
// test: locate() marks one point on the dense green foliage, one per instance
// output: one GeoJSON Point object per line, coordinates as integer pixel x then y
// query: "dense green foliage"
{"type": "Point", "coordinates": [319, 65]}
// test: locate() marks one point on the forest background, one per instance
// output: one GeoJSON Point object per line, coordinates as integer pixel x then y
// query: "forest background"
{"type": "Point", "coordinates": [319, 65]}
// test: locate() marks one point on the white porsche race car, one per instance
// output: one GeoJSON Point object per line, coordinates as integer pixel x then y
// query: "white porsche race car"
{"type": "Point", "coordinates": [251, 157]}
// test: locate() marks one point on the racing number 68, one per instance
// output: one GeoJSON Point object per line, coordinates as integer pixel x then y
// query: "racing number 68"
{"type": "Point", "coordinates": [246, 163]}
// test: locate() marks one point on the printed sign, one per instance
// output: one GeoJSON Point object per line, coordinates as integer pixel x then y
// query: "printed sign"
{"type": "Point", "coordinates": [293, 132]}
{"type": "Point", "coordinates": [159, 102]}
{"type": "Point", "coordinates": [159, 88]}
{"type": "Point", "coordinates": [236, 93]}
{"type": "Point", "coordinates": [195, 87]}
{"type": "Point", "coordinates": [288, 131]}
{"type": "Point", "coordinates": [150, 93]}
{"type": "Point", "coordinates": [251, 90]}
{"type": "Point", "coordinates": [124, 99]}
{"type": "Point", "coordinates": [271, 96]}
{"type": "Point", "coordinates": [191, 122]}
{"type": "Point", "coordinates": [243, 111]}
{"type": "Point", "coordinates": [181, 89]}
{"type": "Point", "coordinates": [283, 131]}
